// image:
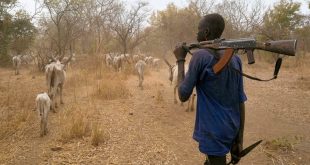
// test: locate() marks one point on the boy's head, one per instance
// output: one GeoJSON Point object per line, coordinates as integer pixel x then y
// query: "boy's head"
{"type": "Point", "coordinates": [210, 27]}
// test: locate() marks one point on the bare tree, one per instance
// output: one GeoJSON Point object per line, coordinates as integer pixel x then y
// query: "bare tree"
{"type": "Point", "coordinates": [38, 7]}
{"type": "Point", "coordinates": [99, 14]}
{"type": "Point", "coordinates": [68, 19]}
{"type": "Point", "coordinates": [128, 26]}
{"type": "Point", "coordinates": [241, 17]}
{"type": "Point", "coordinates": [201, 7]}
{"type": "Point", "coordinates": [57, 12]}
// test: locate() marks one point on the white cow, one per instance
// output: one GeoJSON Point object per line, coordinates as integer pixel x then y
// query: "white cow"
{"type": "Point", "coordinates": [55, 76]}
{"type": "Point", "coordinates": [140, 66]}
{"type": "Point", "coordinates": [27, 59]}
{"type": "Point", "coordinates": [173, 77]}
{"type": "Point", "coordinates": [16, 63]}
{"type": "Point", "coordinates": [135, 58]}
{"type": "Point", "coordinates": [148, 60]}
{"type": "Point", "coordinates": [155, 63]}
{"type": "Point", "coordinates": [55, 79]}
{"type": "Point", "coordinates": [127, 56]}
{"type": "Point", "coordinates": [123, 57]}
{"type": "Point", "coordinates": [43, 104]}
{"type": "Point", "coordinates": [117, 63]}
{"type": "Point", "coordinates": [108, 60]}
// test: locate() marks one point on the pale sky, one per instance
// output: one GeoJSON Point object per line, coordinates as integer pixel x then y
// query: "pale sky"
{"type": "Point", "coordinates": [161, 4]}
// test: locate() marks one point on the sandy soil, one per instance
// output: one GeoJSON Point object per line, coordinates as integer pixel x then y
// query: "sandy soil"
{"type": "Point", "coordinates": [148, 128]}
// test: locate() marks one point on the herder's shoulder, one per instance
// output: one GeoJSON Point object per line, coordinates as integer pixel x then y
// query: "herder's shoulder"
{"type": "Point", "coordinates": [202, 55]}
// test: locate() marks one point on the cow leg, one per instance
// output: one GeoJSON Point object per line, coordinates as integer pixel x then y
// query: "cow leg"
{"type": "Point", "coordinates": [42, 127]}
{"type": "Point", "coordinates": [139, 77]}
{"type": "Point", "coordinates": [175, 99]}
{"type": "Point", "coordinates": [45, 127]}
{"type": "Point", "coordinates": [44, 115]}
{"type": "Point", "coordinates": [54, 105]}
{"type": "Point", "coordinates": [140, 82]}
{"type": "Point", "coordinates": [142, 79]}
{"type": "Point", "coordinates": [61, 99]}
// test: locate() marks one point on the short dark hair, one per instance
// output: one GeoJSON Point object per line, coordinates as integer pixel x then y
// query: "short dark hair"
{"type": "Point", "coordinates": [214, 23]}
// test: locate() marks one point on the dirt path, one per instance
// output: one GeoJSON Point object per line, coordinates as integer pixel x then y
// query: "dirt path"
{"type": "Point", "coordinates": [148, 128]}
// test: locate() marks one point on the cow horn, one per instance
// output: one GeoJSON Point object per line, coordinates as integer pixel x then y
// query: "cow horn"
{"type": "Point", "coordinates": [166, 61]}
{"type": "Point", "coordinates": [52, 58]}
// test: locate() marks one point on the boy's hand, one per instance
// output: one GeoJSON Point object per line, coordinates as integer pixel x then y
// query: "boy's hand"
{"type": "Point", "coordinates": [180, 52]}
{"type": "Point", "coordinates": [235, 152]}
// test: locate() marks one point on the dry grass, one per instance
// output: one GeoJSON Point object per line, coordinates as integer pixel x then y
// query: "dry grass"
{"type": "Point", "coordinates": [110, 89]}
{"type": "Point", "coordinates": [129, 69]}
{"type": "Point", "coordinates": [99, 82]}
{"type": "Point", "coordinates": [98, 135]}
{"type": "Point", "coordinates": [75, 124]}
{"type": "Point", "coordinates": [282, 143]}
{"type": "Point", "coordinates": [282, 150]}
{"type": "Point", "coordinates": [17, 107]}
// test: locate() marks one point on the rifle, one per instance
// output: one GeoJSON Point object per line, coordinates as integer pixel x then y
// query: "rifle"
{"type": "Point", "coordinates": [285, 47]}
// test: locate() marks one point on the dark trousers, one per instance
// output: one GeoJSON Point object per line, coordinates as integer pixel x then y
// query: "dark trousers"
{"type": "Point", "coordinates": [215, 160]}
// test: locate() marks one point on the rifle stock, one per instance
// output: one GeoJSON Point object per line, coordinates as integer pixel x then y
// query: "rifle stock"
{"type": "Point", "coordinates": [286, 47]}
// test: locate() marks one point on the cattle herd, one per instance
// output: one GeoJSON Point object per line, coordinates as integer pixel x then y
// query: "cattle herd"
{"type": "Point", "coordinates": [55, 73]}
{"type": "Point", "coordinates": [19, 59]}
{"type": "Point", "coordinates": [115, 61]}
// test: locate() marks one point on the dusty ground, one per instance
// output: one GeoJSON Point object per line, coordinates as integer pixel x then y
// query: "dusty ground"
{"type": "Point", "coordinates": [146, 127]}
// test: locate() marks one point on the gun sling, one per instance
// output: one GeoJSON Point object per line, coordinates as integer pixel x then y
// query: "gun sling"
{"type": "Point", "coordinates": [275, 74]}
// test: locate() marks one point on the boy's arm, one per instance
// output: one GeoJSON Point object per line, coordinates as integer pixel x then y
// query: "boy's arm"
{"type": "Point", "coordinates": [180, 54]}
{"type": "Point", "coordinates": [181, 72]}
{"type": "Point", "coordinates": [237, 146]}
{"type": "Point", "coordinates": [242, 121]}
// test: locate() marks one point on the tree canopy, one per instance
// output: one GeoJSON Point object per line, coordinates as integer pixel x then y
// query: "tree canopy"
{"type": "Point", "coordinates": [16, 31]}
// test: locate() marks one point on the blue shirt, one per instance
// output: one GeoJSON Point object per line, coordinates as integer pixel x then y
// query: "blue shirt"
{"type": "Point", "coordinates": [218, 100]}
